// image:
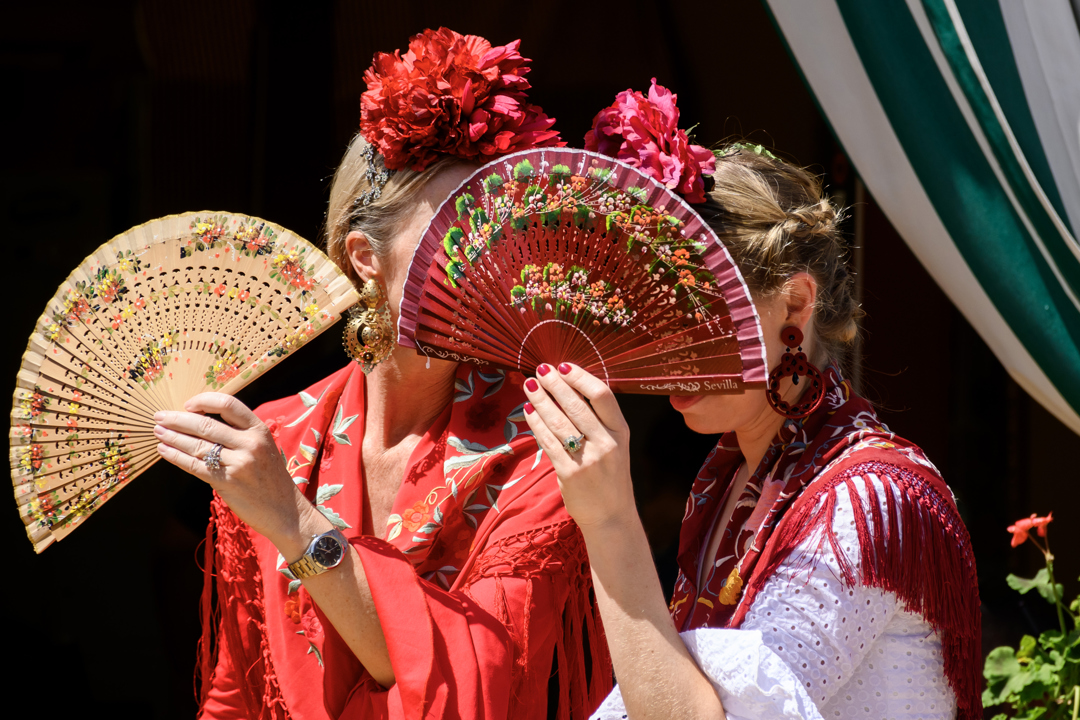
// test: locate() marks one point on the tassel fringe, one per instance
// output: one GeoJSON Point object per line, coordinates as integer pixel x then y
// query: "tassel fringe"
{"type": "Point", "coordinates": [238, 585]}
{"type": "Point", "coordinates": [932, 571]}
{"type": "Point", "coordinates": [557, 549]}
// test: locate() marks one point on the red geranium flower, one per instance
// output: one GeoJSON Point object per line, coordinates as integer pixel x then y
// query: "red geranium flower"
{"type": "Point", "coordinates": [1022, 527]}
{"type": "Point", "coordinates": [644, 132]}
{"type": "Point", "coordinates": [450, 94]}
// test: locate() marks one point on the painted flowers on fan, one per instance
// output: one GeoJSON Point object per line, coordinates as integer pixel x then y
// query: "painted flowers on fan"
{"type": "Point", "coordinates": [571, 290]}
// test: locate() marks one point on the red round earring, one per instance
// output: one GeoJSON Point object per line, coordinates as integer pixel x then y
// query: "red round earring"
{"type": "Point", "coordinates": [798, 368]}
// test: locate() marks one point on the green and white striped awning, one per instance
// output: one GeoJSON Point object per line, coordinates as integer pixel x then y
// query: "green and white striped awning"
{"type": "Point", "coordinates": [963, 119]}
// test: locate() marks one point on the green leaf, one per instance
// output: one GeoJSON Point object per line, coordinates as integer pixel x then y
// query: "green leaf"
{"type": "Point", "coordinates": [1040, 582]}
{"type": "Point", "coordinates": [333, 517]}
{"type": "Point", "coordinates": [294, 586]}
{"type": "Point", "coordinates": [560, 171]}
{"type": "Point", "coordinates": [341, 424]}
{"type": "Point", "coordinates": [462, 204]}
{"type": "Point", "coordinates": [305, 398]}
{"type": "Point", "coordinates": [326, 492]}
{"type": "Point", "coordinates": [1027, 647]}
{"type": "Point", "coordinates": [1000, 663]}
{"type": "Point", "coordinates": [313, 649]}
{"type": "Point", "coordinates": [524, 170]}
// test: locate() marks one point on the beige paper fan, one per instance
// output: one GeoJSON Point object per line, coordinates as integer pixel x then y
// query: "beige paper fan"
{"type": "Point", "coordinates": [167, 310]}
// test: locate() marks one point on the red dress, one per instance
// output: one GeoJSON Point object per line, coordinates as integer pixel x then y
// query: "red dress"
{"type": "Point", "coordinates": [480, 578]}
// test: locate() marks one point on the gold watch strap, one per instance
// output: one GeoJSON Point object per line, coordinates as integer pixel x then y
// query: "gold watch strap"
{"type": "Point", "coordinates": [305, 567]}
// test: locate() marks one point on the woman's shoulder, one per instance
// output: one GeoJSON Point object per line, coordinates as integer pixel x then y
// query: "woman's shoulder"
{"type": "Point", "coordinates": [884, 457]}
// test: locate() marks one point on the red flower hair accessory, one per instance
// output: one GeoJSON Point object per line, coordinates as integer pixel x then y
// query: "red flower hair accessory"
{"type": "Point", "coordinates": [644, 132]}
{"type": "Point", "coordinates": [450, 94]}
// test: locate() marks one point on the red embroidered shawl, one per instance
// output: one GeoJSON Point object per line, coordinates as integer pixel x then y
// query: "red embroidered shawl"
{"type": "Point", "coordinates": [479, 578]}
{"type": "Point", "coordinates": [791, 497]}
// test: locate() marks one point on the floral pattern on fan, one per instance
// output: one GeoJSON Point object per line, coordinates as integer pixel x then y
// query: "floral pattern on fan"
{"type": "Point", "coordinates": [561, 255]}
{"type": "Point", "coordinates": [561, 196]}
{"type": "Point", "coordinates": [179, 306]}
{"type": "Point", "coordinates": [572, 293]}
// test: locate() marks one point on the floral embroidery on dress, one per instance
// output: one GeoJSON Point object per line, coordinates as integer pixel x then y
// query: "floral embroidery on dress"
{"type": "Point", "coordinates": [781, 475]}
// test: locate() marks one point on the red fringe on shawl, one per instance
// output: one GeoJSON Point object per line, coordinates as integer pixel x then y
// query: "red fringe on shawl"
{"type": "Point", "coordinates": [554, 549]}
{"type": "Point", "coordinates": [248, 645]}
{"type": "Point", "coordinates": [932, 571]}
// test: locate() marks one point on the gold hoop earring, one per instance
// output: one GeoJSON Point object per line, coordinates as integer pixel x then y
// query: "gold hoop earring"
{"type": "Point", "coordinates": [368, 333]}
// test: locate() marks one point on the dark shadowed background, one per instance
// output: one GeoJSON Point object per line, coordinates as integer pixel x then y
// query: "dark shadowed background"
{"type": "Point", "coordinates": [117, 113]}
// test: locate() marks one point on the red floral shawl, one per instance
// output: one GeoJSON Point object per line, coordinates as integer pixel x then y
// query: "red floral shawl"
{"type": "Point", "coordinates": [791, 497]}
{"type": "Point", "coordinates": [479, 579]}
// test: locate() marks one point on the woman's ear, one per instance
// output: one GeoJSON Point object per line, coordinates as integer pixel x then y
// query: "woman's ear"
{"type": "Point", "coordinates": [361, 256]}
{"type": "Point", "coordinates": [800, 294]}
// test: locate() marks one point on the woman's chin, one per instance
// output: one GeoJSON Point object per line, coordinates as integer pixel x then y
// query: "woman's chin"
{"type": "Point", "coordinates": [682, 403]}
{"type": "Point", "coordinates": [706, 414]}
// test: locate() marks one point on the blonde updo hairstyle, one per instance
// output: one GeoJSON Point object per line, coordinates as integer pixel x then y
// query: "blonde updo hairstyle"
{"type": "Point", "coordinates": [775, 221]}
{"type": "Point", "coordinates": [380, 219]}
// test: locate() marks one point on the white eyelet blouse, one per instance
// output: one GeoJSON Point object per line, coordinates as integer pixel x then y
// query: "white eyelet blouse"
{"type": "Point", "coordinates": [810, 647]}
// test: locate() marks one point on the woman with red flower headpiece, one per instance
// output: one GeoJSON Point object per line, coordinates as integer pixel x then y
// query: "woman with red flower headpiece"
{"type": "Point", "coordinates": [824, 570]}
{"type": "Point", "coordinates": [377, 547]}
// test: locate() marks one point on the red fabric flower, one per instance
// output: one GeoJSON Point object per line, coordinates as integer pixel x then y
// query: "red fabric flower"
{"type": "Point", "coordinates": [415, 517]}
{"type": "Point", "coordinates": [292, 609]}
{"type": "Point", "coordinates": [274, 426]}
{"type": "Point", "coordinates": [1024, 526]}
{"type": "Point", "coordinates": [450, 94]}
{"type": "Point", "coordinates": [327, 456]}
{"type": "Point", "coordinates": [644, 132]}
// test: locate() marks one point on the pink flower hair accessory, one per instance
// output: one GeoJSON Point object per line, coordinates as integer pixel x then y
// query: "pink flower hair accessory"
{"type": "Point", "coordinates": [644, 132]}
{"type": "Point", "coordinates": [451, 94]}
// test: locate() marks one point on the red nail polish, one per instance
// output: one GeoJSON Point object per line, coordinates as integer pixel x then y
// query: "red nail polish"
{"type": "Point", "coordinates": [565, 368]}
{"type": "Point", "coordinates": [543, 369]}
{"type": "Point", "coordinates": [531, 384]}
{"type": "Point", "coordinates": [529, 408]}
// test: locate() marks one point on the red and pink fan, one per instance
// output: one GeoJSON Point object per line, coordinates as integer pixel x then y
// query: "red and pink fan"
{"type": "Point", "coordinates": [561, 255]}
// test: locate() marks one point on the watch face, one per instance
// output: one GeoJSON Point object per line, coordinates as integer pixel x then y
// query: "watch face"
{"type": "Point", "coordinates": [327, 551]}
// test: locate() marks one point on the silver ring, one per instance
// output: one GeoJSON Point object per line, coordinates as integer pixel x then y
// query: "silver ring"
{"type": "Point", "coordinates": [573, 443]}
{"type": "Point", "coordinates": [213, 457]}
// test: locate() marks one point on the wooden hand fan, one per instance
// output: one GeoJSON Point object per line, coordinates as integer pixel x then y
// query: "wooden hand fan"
{"type": "Point", "coordinates": [550, 256]}
{"type": "Point", "coordinates": [167, 310]}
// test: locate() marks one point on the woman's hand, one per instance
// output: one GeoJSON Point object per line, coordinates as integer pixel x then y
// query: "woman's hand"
{"type": "Point", "coordinates": [595, 480]}
{"type": "Point", "coordinates": [252, 479]}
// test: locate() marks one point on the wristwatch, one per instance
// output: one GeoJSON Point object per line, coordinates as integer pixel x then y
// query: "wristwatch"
{"type": "Point", "coordinates": [326, 551]}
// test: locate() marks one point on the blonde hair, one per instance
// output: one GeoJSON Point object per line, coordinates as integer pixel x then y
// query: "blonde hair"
{"type": "Point", "coordinates": [380, 219]}
{"type": "Point", "coordinates": [776, 222]}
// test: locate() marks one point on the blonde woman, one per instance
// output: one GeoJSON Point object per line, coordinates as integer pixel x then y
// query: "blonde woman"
{"type": "Point", "coordinates": [824, 570]}
{"type": "Point", "coordinates": [357, 565]}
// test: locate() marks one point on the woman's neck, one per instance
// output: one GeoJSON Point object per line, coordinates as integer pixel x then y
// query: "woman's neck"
{"type": "Point", "coordinates": [755, 439]}
{"type": "Point", "coordinates": [404, 396]}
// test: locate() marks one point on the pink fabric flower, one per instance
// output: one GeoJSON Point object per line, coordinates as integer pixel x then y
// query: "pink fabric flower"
{"type": "Point", "coordinates": [450, 94]}
{"type": "Point", "coordinates": [644, 132]}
